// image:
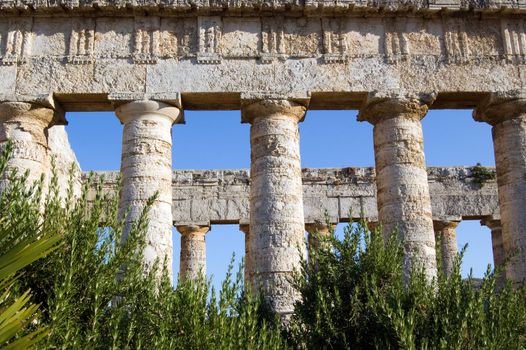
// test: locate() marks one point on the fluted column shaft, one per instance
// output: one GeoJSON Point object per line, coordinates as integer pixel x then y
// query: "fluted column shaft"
{"type": "Point", "coordinates": [508, 118]}
{"type": "Point", "coordinates": [146, 168]}
{"type": "Point", "coordinates": [277, 228]}
{"type": "Point", "coordinates": [193, 251]}
{"type": "Point", "coordinates": [26, 125]}
{"type": "Point", "coordinates": [446, 233]}
{"type": "Point", "coordinates": [403, 197]}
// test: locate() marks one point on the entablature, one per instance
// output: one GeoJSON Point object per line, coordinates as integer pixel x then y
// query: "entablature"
{"type": "Point", "coordinates": [203, 197]}
{"type": "Point", "coordinates": [212, 60]}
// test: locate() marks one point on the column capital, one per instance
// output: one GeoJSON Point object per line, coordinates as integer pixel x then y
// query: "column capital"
{"type": "Point", "coordinates": [491, 223]}
{"type": "Point", "coordinates": [192, 229]}
{"type": "Point", "coordinates": [245, 228]}
{"type": "Point", "coordinates": [443, 224]}
{"type": "Point", "coordinates": [138, 109]}
{"type": "Point", "coordinates": [252, 108]}
{"type": "Point", "coordinates": [385, 105]}
{"type": "Point", "coordinates": [498, 107]}
{"type": "Point", "coordinates": [20, 111]}
{"type": "Point", "coordinates": [37, 101]}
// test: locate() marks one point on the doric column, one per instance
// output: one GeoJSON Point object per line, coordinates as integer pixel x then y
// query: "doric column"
{"type": "Point", "coordinates": [277, 228]}
{"type": "Point", "coordinates": [26, 125]}
{"type": "Point", "coordinates": [146, 168]}
{"type": "Point", "coordinates": [507, 115]}
{"type": "Point", "coordinates": [245, 228]}
{"type": "Point", "coordinates": [193, 251]}
{"type": "Point", "coordinates": [445, 232]}
{"type": "Point", "coordinates": [401, 176]}
{"type": "Point", "coordinates": [497, 244]}
{"type": "Point", "coordinates": [319, 228]}
{"type": "Point", "coordinates": [65, 161]}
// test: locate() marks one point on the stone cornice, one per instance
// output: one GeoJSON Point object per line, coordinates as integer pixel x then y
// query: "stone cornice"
{"type": "Point", "coordinates": [312, 7]}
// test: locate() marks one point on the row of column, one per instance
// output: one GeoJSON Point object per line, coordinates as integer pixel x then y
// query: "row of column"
{"type": "Point", "coordinates": [276, 227]}
{"type": "Point", "coordinates": [193, 244]}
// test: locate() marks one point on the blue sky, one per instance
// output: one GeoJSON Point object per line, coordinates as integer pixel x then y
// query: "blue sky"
{"type": "Point", "coordinates": [217, 140]}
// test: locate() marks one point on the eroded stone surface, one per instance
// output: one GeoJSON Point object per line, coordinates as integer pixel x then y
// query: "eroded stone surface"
{"type": "Point", "coordinates": [499, 255]}
{"type": "Point", "coordinates": [193, 251]}
{"type": "Point", "coordinates": [507, 114]}
{"type": "Point", "coordinates": [214, 57]}
{"type": "Point", "coordinates": [146, 169]}
{"type": "Point", "coordinates": [446, 234]}
{"type": "Point", "coordinates": [67, 168]}
{"type": "Point", "coordinates": [26, 126]}
{"type": "Point", "coordinates": [404, 203]}
{"type": "Point", "coordinates": [277, 228]}
{"type": "Point", "coordinates": [203, 197]}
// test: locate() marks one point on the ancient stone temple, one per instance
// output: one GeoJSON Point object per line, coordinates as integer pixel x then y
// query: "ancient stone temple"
{"type": "Point", "coordinates": [274, 60]}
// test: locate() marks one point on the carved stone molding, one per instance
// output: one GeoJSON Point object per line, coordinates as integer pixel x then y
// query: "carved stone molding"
{"type": "Point", "coordinates": [212, 39]}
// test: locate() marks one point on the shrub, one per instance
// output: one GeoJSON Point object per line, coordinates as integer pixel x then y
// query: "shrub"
{"type": "Point", "coordinates": [353, 297]}
{"type": "Point", "coordinates": [95, 293]}
{"type": "Point", "coordinates": [19, 204]}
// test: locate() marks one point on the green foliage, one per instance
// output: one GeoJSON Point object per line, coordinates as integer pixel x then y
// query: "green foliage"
{"type": "Point", "coordinates": [354, 297]}
{"type": "Point", "coordinates": [96, 294]}
{"type": "Point", "coordinates": [19, 205]}
{"type": "Point", "coordinates": [481, 175]}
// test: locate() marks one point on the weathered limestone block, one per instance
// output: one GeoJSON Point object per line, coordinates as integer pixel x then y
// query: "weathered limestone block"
{"type": "Point", "coordinates": [404, 203]}
{"type": "Point", "coordinates": [446, 234]}
{"type": "Point", "coordinates": [277, 226]}
{"type": "Point", "coordinates": [193, 251]}
{"type": "Point", "coordinates": [507, 114]}
{"type": "Point", "coordinates": [26, 125]}
{"type": "Point", "coordinates": [67, 167]}
{"type": "Point", "coordinates": [146, 169]}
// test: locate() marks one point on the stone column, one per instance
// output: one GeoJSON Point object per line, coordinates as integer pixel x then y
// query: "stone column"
{"type": "Point", "coordinates": [319, 228]}
{"type": "Point", "coordinates": [445, 232]}
{"type": "Point", "coordinates": [65, 162]}
{"type": "Point", "coordinates": [277, 228]}
{"type": "Point", "coordinates": [146, 168]}
{"type": "Point", "coordinates": [193, 251]}
{"type": "Point", "coordinates": [507, 115]}
{"type": "Point", "coordinates": [245, 228]}
{"type": "Point", "coordinates": [26, 125]}
{"type": "Point", "coordinates": [401, 175]}
{"type": "Point", "coordinates": [499, 257]}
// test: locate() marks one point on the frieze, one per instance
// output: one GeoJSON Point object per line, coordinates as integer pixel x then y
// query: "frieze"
{"type": "Point", "coordinates": [212, 39]}
{"type": "Point", "coordinates": [17, 40]}
{"type": "Point", "coordinates": [82, 41]}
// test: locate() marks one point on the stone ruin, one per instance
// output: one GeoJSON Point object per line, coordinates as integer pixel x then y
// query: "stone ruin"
{"type": "Point", "coordinates": [148, 60]}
